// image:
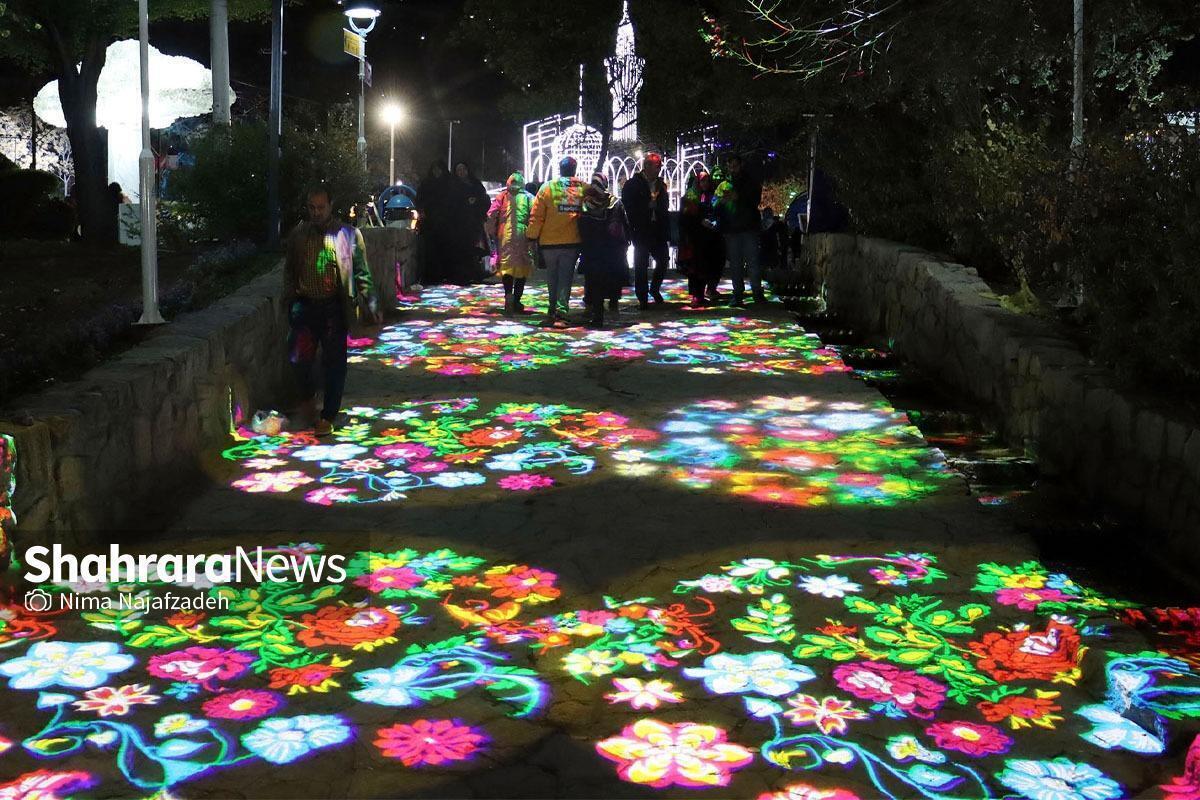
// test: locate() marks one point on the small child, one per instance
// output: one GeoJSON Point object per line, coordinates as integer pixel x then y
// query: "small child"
{"type": "Point", "coordinates": [506, 222]}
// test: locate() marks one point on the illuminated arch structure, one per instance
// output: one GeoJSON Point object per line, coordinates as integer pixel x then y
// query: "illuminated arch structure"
{"type": "Point", "coordinates": [548, 139]}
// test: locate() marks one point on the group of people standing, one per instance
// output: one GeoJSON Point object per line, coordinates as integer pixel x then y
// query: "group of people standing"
{"type": "Point", "coordinates": [452, 209]}
{"type": "Point", "coordinates": [569, 222]}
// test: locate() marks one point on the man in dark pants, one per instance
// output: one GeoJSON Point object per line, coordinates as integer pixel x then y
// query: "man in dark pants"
{"type": "Point", "coordinates": [644, 197]}
{"type": "Point", "coordinates": [326, 268]}
{"type": "Point", "coordinates": [737, 202]}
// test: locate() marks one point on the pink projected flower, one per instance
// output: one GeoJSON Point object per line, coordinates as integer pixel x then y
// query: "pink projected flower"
{"type": "Point", "coordinates": [273, 481]}
{"type": "Point", "coordinates": [661, 754]}
{"type": "Point", "coordinates": [409, 451]}
{"type": "Point", "coordinates": [45, 785]}
{"type": "Point", "coordinates": [884, 683]}
{"type": "Point", "coordinates": [970, 738]}
{"type": "Point", "coordinates": [200, 665]}
{"type": "Point", "coordinates": [802, 791]}
{"type": "Point", "coordinates": [460, 369]}
{"type": "Point", "coordinates": [525, 483]}
{"type": "Point", "coordinates": [829, 714]}
{"type": "Point", "coordinates": [389, 578]}
{"type": "Point", "coordinates": [425, 742]}
{"type": "Point", "coordinates": [242, 704]}
{"type": "Point", "coordinates": [1030, 599]}
{"type": "Point", "coordinates": [328, 495]}
{"type": "Point", "coordinates": [650, 694]}
{"type": "Point", "coordinates": [427, 466]}
{"type": "Point", "coordinates": [109, 702]}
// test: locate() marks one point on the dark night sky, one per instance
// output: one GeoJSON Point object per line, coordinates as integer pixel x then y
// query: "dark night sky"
{"type": "Point", "coordinates": [413, 62]}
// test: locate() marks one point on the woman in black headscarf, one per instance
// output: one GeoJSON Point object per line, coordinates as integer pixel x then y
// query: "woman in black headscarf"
{"type": "Point", "coordinates": [435, 223]}
{"type": "Point", "coordinates": [468, 206]}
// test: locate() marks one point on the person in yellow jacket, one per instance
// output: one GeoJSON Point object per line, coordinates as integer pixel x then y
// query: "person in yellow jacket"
{"type": "Point", "coordinates": [554, 225]}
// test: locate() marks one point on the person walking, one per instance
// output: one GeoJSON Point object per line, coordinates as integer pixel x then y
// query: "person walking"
{"type": "Point", "coordinates": [554, 225]}
{"type": "Point", "coordinates": [508, 223]}
{"type": "Point", "coordinates": [325, 280]}
{"type": "Point", "coordinates": [701, 248]}
{"type": "Point", "coordinates": [737, 201]}
{"type": "Point", "coordinates": [604, 232]}
{"type": "Point", "coordinates": [773, 241]}
{"type": "Point", "coordinates": [645, 199]}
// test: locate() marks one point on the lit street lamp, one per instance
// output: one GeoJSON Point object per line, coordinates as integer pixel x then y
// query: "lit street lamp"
{"type": "Point", "coordinates": [362, 17]}
{"type": "Point", "coordinates": [393, 115]}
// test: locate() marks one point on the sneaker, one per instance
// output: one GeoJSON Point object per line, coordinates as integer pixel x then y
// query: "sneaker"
{"type": "Point", "coordinates": [643, 305]}
{"type": "Point", "coordinates": [613, 305]}
{"type": "Point", "coordinates": [737, 302]}
{"type": "Point", "coordinates": [658, 298]}
{"type": "Point", "coordinates": [508, 308]}
{"type": "Point", "coordinates": [760, 298]}
{"type": "Point", "coordinates": [323, 427]}
{"type": "Point", "coordinates": [518, 307]}
{"type": "Point", "coordinates": [548, 321]}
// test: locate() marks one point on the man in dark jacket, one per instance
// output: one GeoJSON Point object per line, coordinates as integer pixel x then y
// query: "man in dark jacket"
{"type": "Point", "coordinates": [737, 201]}
{"type": "Point", "coordinates": [644, 197]}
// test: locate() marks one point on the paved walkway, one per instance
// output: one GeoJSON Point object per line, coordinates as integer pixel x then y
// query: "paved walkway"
{"type": "Point", "coordinates": [686, 556]}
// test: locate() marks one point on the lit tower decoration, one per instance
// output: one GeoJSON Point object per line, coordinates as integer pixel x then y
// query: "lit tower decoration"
{"type": "Point", "coordinates": [179, 88]}
{"type": "Point", "coordinates": [625, 71]}
{"type": "Point", "coordinates": [581, 142]}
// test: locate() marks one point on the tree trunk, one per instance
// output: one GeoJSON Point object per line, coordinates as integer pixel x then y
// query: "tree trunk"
{"type": "Point", "coordinates": [77, 91]}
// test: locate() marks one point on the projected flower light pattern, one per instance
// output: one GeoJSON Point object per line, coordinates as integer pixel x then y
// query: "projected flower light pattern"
{"type": "Point", "coordinates": [478, 346]}
{"type": "Point", "coordinates": [384, 454]}
{"type": "Point", "coordinates": [749, 680]}
{"type": "Point", "coordinates": [796, 451]}
{"type": "Point", "coordinates": [489, 300]}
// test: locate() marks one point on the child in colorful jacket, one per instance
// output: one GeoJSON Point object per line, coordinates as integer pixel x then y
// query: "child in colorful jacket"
{"type": "Point", "coordinates": [507, 222]}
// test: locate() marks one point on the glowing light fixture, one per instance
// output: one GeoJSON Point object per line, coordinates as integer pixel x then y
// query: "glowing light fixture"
{"type": "Point", "coordinates": [179, 88]}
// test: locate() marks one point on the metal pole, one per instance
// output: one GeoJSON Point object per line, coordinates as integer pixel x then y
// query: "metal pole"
{"type": "Point", "coordinates": [1077, 105]}
{"type": "Point", "coordinates": [362, 102]}
{"type": "Point", "coordinates": [150, 313]}
{"type": "Point", "coordinates": [219, 46]}
{"type": "Point", "coordinates": [392, 160]}
{"type": "Point", "coordinates": [275, 123]}
{"type": "Point", "coordinates": [812, 174]}
{"type": "Point", "coordinates": [32, 137]}
{"type": "Point", "coordinates": [450, 148]}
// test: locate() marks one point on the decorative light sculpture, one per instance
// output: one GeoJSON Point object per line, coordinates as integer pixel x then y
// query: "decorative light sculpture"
{"type": "Point", "coordinates": [625, 70]}
{"type": "Point", "coordinates": [581, 142]}
{"type": "Point", "coordinates": [179, 87]}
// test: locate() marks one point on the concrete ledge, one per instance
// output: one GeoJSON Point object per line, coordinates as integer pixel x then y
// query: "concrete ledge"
{"type": "Point", "coordinates": [1067, 413]}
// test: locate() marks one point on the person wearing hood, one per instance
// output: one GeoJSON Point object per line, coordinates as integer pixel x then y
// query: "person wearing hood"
{"type": "Point", "coordinates": [605, 234]}
{"type": "Point", "coordinates": [468, 208]}
{"type": "Point", "coordinates": [507, 222]}
{"type": "Point", "coordinates": [434, 225]}
{"type": "Point", "coordinates": [701, 247]}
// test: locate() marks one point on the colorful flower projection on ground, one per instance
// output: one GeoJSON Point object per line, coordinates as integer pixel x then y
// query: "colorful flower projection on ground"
{"type": "Point", "coordinates": [385, 454]}
{"type": "Point", "coordinates": [489, 300]}
{"type": "Point", "coordinates": [792, 451]}
{"type": "Point", "coordinates": [8, 485]}
{"type": "Point", "coordinates": [830, 676]}
{"type": "Point", "coordinates": [797, 451]}
{"type": "Point", "coordinates": [478, 346]}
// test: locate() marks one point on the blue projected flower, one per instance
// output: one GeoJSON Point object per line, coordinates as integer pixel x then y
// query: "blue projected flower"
{"type": "Point", "coordinates": [764, 672]}
{"type": "Point", "coordinates": [283, 740]}
{"type": "Point", "coordinates": [389, 687]}
{"type": "Point", "coordinates": [81, 666]}
{"type": "Point", "coordinates": [455, 480]}
{"type": "Point", "coordinates": [329, 452]}
{"type": "Point", "coordinates": [1058, 779]}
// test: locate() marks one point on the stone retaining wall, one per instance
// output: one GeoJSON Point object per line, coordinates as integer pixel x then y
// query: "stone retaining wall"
{"type": "Point", "coordinates": [1065, 411]}
{"type": "Point", "coordinates": [94, 454]}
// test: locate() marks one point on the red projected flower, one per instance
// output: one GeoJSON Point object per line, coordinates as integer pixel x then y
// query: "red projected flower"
{"type": "Point", "coordinates": [425, 741]}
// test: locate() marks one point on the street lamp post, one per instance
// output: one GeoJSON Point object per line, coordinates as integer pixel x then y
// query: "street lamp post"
{"type": "Point", "coordinates": [362, 17]}
{"type": "Point", "coordinates": [150, 312]}
{"type": "Point", "coordinates": [393, 115]}
{"type": "Point", "coordinates": [450, 146]}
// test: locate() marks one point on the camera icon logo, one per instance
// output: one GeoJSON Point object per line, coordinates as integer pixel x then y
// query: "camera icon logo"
{"type": "Point", "coordinates": [38, 600]}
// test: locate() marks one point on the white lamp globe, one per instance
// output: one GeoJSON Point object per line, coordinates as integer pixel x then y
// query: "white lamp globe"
{"type": "Point", "coordinates": [179, 87]}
